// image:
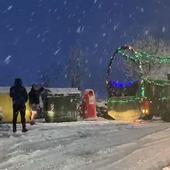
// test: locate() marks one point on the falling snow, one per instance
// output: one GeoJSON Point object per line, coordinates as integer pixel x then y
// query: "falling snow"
{"type": "Point", "coordinates": [96, 45]}
{"type": "Point", "coordinates": [80, 29]}
{"type": "Point", "coordinates": [36, 38]}
{"type": "Point", "coordinates": [115, 27]}
{"type": "Point", "coordinates": [146, 32]}
{"type": "Point", "coordinates": [104, 34]}
{"type": "Point", "coordinates": [7, 60]}
{"type": "Point", "coordinates": [65, 2]}
{"type": "Point", "coordinates": [10, 7]}
{"type": "Point", "coordinates": [95, 1]}
{"type": "Point", "coordinates": [34, 30]}
{"type": "Point", "coordinates": [163, 29]}
{"type": "Point", "coordinates": [57, 51]}
{"type": "Point", "coordinates": [142, 10]}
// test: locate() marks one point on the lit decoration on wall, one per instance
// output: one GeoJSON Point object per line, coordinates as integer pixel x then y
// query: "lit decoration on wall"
{"type": "Point", "coordinates": [121, 85]}
{"type": "Point", "coordinates": [141, 59]}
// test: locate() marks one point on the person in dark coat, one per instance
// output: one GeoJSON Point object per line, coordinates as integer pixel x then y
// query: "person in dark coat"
{"type": "Point", "coordinates": [19, 97]}
{"type": "Point", "coordinates": [34, 101]}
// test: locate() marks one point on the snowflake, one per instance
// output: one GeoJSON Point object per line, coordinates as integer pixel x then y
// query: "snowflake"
{"type": "Point", "coordinates": [96, 45]}
{"type": "Point", "coordinates": [146, 32]}
{"type": "Point", "coordinates": [8, 59]}
{"type": "Point", "coordinates": [86, 61]}
{"type": "Point", "coordinates": [49, 10]}
{"type": "Point", "coordinates": [80, 29]}
{"type": "Point", "coordinates": [43, 40]}
{"type": "Point", "coordinates": [142, 10]}
{"type": "Point", "coordinates": [38, 36]}
{"type": "Point", "coordinates": [163, 29]}
{"type": "Point", "coordinates": [65, 76]}
{"type": "Point", "coordinates": [95, 1]}
{"type": "Point", "coordinates": [104, 34]}
{"type": "Point", "coordinates": [33, 13]}
{"type": "Point", "coordinates": [57, 51]}
{"type": "Point", "coordinates": [11, 29]}
{"type": "Point", "coordinates": [65, 2]}
{"type": "Point", "coordinates": [55, 10]}
{"type": "Point", "coordinates": [100, 6]}
{"type": "Point", "coordinates": [130, 15]}
{"type": "Point", "coordinates": [101, 60]}
{"type": "Point", "coordinates": [115, 27]}
{"type": "Point", "coordinates": [10, 7]}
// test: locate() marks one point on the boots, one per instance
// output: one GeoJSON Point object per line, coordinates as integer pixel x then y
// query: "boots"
{"type": "Point", "coordinates": [24, 130]}
{"type": "Point", "coordinates": [14, 128]}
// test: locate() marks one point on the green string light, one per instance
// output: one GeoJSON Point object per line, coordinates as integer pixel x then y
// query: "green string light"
{"type": "Point", "coordinates": [141, 59]}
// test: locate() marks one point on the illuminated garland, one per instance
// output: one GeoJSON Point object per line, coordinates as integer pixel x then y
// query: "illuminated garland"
{"type": "Point", "coordinates": [129, 99]}
{"type": "Point", "coordinates": [157, 83]}
{"type": "Point", "coordinates": [113, 100]}
{"type": "Point", "coordinates": [139, 57]}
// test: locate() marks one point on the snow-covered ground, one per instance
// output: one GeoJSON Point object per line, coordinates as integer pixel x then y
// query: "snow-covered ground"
{"type": "Point", "coordinates": [86, 145]}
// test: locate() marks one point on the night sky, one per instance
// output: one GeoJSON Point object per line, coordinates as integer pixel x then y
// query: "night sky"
{"type": "Point", "coordinates": [36, 36]}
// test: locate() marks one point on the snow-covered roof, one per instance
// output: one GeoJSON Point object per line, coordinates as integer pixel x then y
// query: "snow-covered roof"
{"type": "Point", "coordinates": [64, 91]}
{"type": "Point", "coordinates": [5, 89]}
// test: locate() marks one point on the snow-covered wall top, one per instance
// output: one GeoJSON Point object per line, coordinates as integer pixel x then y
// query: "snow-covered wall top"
{"type": "Point", "coordinates": [63, 91]}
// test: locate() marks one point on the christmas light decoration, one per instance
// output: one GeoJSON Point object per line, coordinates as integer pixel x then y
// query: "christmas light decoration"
{"type": "Point", "coordinates": [139, 57]}
{"type": "Point", "coordinates": [124, 105]}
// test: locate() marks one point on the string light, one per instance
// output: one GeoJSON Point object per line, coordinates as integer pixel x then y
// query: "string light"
{"type": "Point", "coordinates": [141, 59]}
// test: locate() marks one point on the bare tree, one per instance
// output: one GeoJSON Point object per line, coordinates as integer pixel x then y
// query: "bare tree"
{"type": "Point", "coordinates": [75, 70]}
{"type": "Point", "coordinates": [45, 79]}
{"type": "Point", "coordinates": [52, 74]}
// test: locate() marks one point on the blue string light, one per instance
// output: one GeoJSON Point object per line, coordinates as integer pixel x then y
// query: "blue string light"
{"type": "Point", "coordinates": [121, 85]}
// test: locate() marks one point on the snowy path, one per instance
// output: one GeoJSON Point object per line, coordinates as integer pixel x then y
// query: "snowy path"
{"type": "Point", "coordinates": [103, 145]}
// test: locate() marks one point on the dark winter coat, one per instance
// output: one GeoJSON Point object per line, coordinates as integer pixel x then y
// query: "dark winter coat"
{"type": "Point", "coordinates": [34, 96]}
{"type": "Point", "coordinates": [19, 95]}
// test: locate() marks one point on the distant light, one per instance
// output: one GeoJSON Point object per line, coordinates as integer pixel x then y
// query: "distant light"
{"type": "Point", "coordinates": [143, 110]}
{"type": "Point", "coordinates": [51, 113]}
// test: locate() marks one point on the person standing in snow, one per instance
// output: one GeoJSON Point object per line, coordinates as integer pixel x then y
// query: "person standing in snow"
{"type": "Point", "coordinates": [19, 97]}
{"type": "Point", "coordinates": [34, 101]}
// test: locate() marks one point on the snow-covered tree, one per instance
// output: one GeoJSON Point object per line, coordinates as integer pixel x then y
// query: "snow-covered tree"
{"type": "Point", "coordinates": [157, 47]}
{"type": "Point", "coordinates": [152, 45]}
